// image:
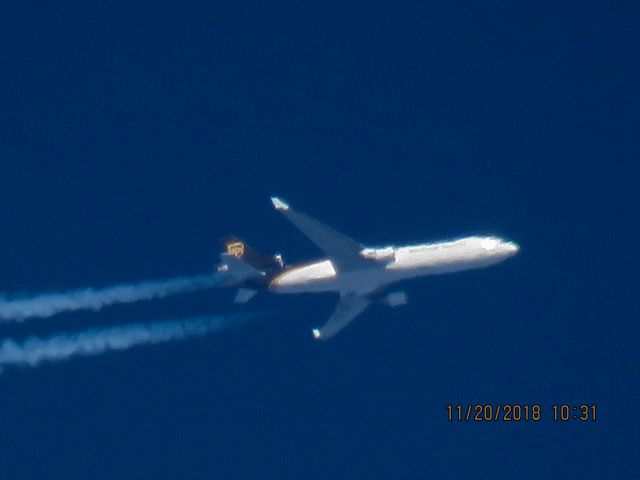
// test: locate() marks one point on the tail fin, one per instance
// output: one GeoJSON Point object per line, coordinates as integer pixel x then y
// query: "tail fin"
{"type": "Point", "coordinates": [239, 249]}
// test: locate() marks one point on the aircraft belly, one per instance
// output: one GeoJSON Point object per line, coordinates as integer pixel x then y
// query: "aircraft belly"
{"type": "Point", "coordinates": [363, 281]}
{"type": "Point", "coordinates": [307, 286]}
{"type": "Point", "coordinates": [315, 277]}
{"type": "Point", "coordinates": [358, 281]}
{"type": "Point", "coordinates": [435, 263]}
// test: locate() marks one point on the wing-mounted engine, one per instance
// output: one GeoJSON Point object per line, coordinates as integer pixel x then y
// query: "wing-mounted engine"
{"type": "Point", "coordinates": [382, 255]}
{"type": "Point", "coordinates": [396, 299]}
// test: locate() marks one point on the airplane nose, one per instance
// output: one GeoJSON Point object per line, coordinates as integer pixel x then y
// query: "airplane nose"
{"type": "Point", "coordinates": [511, 248]}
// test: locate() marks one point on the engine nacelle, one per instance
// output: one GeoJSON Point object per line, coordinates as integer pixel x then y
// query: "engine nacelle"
{"type": "Point", "coordinates": [395, 299]}
{"type": "Point", "coordinates": [279, 260]}
{"type": "Point", "coordinates": [386, 254]}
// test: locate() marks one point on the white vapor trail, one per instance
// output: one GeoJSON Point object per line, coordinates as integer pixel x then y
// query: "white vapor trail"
{"type": "Point", "coordinates": [48, 304]}
{"type": "Point", "coordinates": [33, 351]}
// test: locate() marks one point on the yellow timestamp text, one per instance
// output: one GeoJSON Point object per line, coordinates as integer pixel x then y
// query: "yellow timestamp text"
{"type": "Point", "coordinates": [516, 412]}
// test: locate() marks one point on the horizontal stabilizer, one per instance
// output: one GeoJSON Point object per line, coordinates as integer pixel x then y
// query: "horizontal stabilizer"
{"type": "Point", "coordinates": [244, 295]}
{"type": "Point", "coordinates": [238, 270]}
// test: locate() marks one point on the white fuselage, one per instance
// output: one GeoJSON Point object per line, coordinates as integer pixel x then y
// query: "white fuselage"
{"type": "Point", "coordinates": [389, 265]}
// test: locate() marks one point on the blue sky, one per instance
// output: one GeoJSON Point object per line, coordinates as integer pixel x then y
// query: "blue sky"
{"type": "Point", "coordinates": [133, 136]}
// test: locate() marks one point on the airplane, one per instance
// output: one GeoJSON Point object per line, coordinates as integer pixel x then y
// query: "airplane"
{"type": "Point", "coordinates": [360, 275]}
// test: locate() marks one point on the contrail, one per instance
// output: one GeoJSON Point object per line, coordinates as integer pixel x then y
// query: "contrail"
{"type": "Point", "coordinates": [48, 304]}
{"type": "Point", "coordinates": [33, 351]}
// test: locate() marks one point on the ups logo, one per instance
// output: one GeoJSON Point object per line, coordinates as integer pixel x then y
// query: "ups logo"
{"type": "Point", "coordinates": [236, 249]}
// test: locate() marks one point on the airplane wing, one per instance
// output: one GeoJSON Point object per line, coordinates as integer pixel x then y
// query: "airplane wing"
{"type": "Point", "coordinates": [349, 307]}
{"type": "Point", "coordinates": [343, 252]}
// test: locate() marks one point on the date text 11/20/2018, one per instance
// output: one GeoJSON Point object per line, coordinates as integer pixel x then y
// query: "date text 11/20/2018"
{"type": "Point", "coordinates": [513, 412]}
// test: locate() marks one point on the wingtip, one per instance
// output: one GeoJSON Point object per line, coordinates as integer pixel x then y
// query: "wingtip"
{"type": "Point", "coordinates": [279, 204]}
